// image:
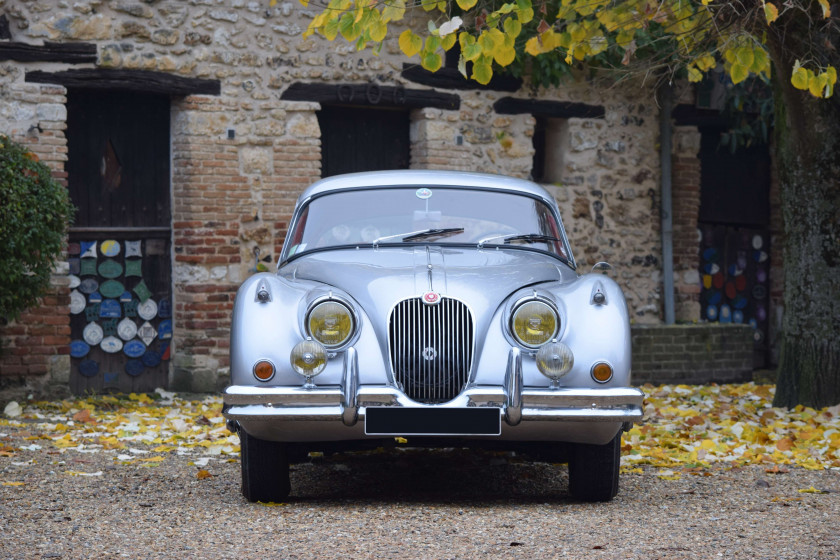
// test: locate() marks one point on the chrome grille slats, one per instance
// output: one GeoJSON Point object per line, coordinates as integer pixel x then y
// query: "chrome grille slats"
{"type": "Point", "coordinates": [431, 348]}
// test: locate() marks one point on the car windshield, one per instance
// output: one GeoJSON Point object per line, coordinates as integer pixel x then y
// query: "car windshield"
{"type": "Point", "coordinates": [438, 215]}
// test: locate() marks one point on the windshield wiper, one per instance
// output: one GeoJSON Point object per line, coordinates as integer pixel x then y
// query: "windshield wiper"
{"type": "Point", "coordinates": [421, 234]}
{"type": "Point", "coordinates": [526, 238]}
{"type": "Point", "coordinates": [433, 232]}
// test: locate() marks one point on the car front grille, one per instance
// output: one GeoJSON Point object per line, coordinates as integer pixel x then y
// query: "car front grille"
{"type": "Point", "coordinates": [431, 348]}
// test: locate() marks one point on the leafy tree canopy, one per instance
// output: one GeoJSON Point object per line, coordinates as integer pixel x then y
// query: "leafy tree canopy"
{"type": "Point", "coordinates": [34, 213]}
{"type": "Point", "coordinates": [547, 39]}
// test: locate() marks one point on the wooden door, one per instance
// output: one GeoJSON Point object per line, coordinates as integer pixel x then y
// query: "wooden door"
{"type": "Point", "coordinates": [735, 238]}
{"type": "Point", "coordinates": [120, 243]}
{"type": "Point", "coordinates": [363, 139]}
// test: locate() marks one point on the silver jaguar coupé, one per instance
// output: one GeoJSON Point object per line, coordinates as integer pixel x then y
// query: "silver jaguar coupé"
{"type": "Point", "coordinates": [429, 308]}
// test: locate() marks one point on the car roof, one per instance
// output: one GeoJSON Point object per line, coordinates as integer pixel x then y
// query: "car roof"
{"type": "Point", "coordinates": [425, 177]}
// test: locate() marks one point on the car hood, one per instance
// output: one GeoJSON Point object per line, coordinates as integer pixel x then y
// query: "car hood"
{"type": "Point", "coordinates": [379, 278]}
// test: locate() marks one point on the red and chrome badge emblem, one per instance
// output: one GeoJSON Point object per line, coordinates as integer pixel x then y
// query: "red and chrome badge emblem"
{"type": "Point", "coordinates": [431, 298]}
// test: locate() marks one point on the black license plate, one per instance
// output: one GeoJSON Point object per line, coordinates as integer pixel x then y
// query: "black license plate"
{"type": "Point", "coordinates": [398, 421]}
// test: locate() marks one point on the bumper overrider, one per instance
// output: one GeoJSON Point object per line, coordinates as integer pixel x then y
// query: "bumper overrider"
{"type": "Point", "coordinates": [383, 410]}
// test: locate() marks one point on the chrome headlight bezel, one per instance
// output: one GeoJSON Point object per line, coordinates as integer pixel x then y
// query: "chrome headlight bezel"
{"type": "Point", "coordinates": [351, 313]}
{"type": "Point", "coordinates": [518, 306]}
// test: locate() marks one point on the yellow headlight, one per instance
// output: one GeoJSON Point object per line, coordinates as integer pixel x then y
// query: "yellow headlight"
{"type": "Point", "coordinates": [534, 323]}
{"type": "Point", "coordinates": [330, 323]}
{"type": "Point", "coordinates": [308, 358]}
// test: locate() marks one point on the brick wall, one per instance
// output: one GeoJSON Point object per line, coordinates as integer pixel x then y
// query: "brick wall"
{"type": "Point", "coordinates": [35, 347]}
{"type": "Point", "coordinates": [685, 177]}
{"type": "Point", "coordinates": [231, 195]}
{"type": "Point", "coordinates": [692, 354]}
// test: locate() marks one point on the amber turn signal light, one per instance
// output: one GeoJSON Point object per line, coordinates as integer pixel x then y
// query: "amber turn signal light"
{"type": "Point", "coordinates": [263, 370]}
{"type": "Point", "coordinates": [602, 372]}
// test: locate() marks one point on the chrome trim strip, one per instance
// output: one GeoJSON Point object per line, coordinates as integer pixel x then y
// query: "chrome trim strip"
{"type": "Point", "coordinates": [513, 388]}
{"type": "Point", "coordinates": [350, 412]}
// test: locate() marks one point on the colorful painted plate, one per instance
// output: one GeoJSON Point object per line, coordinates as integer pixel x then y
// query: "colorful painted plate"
{"type": "Point", "coordinates": [110, 248]}
{"type": "Point", "coordinates": [74, 281]}
{"type": "Point", "coordinates": [111, 344]}
{"type": "Point", "coordinates": [147, 333]}
{"type": "Point", "coordinates": [112, 288]}
{"type": "Point", "coordinates": [147, 310]}
{"type": "Point", "coordinates": [95, 297]}
{"type": "Point", "coordinates": [127, 329]}
{"type": "Point", "coordinates": [165, 329]}
{"type": "Point", "coordinates": [79, 349]}
{"type": "Point", "coordinates": [111, 309]}
{"type": "Point", "coordinates": [725, 314]}
{"type": "Point", "coordinates": [88, 285]}
{"type": "Point", "coordinates": [110, 269]}
{"type": "Point", "coordinates": [759, 292]}
{"type": "Point", "coordinates": [134, 348]}
{"type": "Point", "coordinates": [132, 249]}
{"type": "Point", "coordinates": [151, 358]}
{"type": "Point", "coordinates": [134, 367]}
{"type": "Point", "coordinates": [738, 316]}
{"type": "Point", "coordinates": [740, 302]}
{"type": "Point", "coordinates": [165, 309]}
{"type": "Point", "coordinates": [77, 302]}
{"type": "Point", "coordinates": [712, 313]}
{"type": "Point", "coordinates": [92, 334]}
{"type": "Point", "coordinates": [88, 368]}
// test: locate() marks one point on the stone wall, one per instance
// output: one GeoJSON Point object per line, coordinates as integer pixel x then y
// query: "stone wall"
{"type": "Point", "coordinates": [240, 159]}
{"type": "Point", "coordinates": [34, 348]}
{"type": "Point", "coordinates": [692, 354]}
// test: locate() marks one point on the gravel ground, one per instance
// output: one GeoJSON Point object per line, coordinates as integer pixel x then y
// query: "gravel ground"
{"type": "Point", "coordinates": [404, 503]}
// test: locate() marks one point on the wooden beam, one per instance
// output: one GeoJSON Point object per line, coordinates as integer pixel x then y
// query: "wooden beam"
{"type": "Point", "coordinates": [451, 78]}
{"type": "Point", "coordinates": [552, 109]}
{"type": "Point", "coordinates": [48, 52]}
{"type": "Point", "coordinates": [127, 80]}
{"type": "Point", "coordinates": [689, 115]}
{"type": "Point", "coordinates": [370, 95]}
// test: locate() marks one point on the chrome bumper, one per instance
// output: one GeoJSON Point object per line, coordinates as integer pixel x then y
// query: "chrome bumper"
{"type": "Point", "coordinates": [347, 403]}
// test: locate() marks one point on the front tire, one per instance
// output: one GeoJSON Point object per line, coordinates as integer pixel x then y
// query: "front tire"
{"type": "Point", "coordinates": [265, 469]}
{"type": "Point", "coordinates": [593, 470]}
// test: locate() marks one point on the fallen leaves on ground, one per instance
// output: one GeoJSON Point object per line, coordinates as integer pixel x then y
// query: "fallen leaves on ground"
{"type": "Point", "coordinates": [694, 427]}
{"type": "Point", "coordinates": [137, 429]}
{"type": "Point", "coordinates": [685, 430]}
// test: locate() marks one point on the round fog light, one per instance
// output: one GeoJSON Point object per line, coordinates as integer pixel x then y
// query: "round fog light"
{"type": "Point", "coordinates": [264, 370]}
{"type": "Point", "coordinates": [555, 359]}
{"type": "Point", "coordinates": [602, 372]}
{"type": "Point", "coordinates": [309, 358]}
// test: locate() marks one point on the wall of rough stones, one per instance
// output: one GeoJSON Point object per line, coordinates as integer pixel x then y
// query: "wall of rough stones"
{"type": "Point", "coordinates": [234, 194]}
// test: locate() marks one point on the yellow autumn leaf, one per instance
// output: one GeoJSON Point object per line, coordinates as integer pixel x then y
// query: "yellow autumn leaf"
{"type": "Point", "coordinates": [771, 12]}
{"type": "Point", "coordinates": [13, 483]}
{"type": "Point", "coordinates": [799, 78]}
{"type": "Point", "coordinates": [377, 29]}
{"type": "Point", "coordinates": [482, 71]}
{"type": "Point", "coordinates": [811, 490]}
{"type": "Point", "coordinates": [826, 8]}
{"type": "Point", "coordinates": [694, 75]}
{"type": "Point", "coordinates": [202, 474]}
{"type": "Point", "coordinates": [448, 41]}
{"type": "Point", "coordinates": [431, 61]}
{"type": "Point", "coordinates": [394, 10]}
{"type": "Point", "coordinates": [505, 53]}
{"type": "Point", "coordinates": [738, 72]}
{"type": "Point", "coordinates": [816, 85]}
{"type": "Point", "coordinates": [466, 4]}
{"type": "Point", "coordinates": [410, 43]}
{"type": "Point", "coordinates": [705, 63]}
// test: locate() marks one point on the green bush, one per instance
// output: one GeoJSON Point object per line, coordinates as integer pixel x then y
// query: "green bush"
{"type": "Point", "coordinates": [35, 211]}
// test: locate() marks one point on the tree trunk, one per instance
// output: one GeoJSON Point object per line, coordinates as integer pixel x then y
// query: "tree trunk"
{"type": "Point", "coordinates": [807, 143]}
